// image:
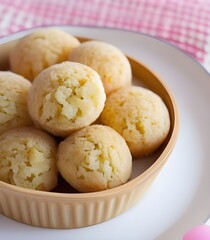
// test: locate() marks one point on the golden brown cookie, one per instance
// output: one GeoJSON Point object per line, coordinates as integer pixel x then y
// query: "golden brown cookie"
{"type": "Point", "coordinates": [94, 159]}
{"type": "Point", "coordinates": [27, 159]}
{"type": "Point", "coordinates": [13, 101]}
{"type": "Point", "coordinates": [140, 116]}
{"type": "Point", "coordinates": [39, 50]}
{"type": "Point", "coordinates": [110, 63]}
{"type": "Point", "coordinates": [65, 98]}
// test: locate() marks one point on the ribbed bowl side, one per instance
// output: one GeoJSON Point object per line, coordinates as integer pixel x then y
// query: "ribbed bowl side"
{"type": "Point", "coordinates": [53, 212]}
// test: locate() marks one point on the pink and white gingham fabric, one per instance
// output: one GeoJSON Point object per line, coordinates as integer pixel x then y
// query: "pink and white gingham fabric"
{"type": "Point", "coordinates": [185, 23]}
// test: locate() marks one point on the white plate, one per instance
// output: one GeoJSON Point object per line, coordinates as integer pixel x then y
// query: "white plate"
{"type": "Point", "coordinates": [180, 196]}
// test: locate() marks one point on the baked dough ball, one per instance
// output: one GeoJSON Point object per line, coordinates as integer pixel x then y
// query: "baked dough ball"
{"type": "Point", "coordinates": [13, 101]}
{"type": "Point", "coordinates": [110, 63]}
{"type": "Point", "coordinates": [140, 116]}
{"type": "Point", "coordinates": [66, 97]}
{"type": "Point", "coordinates": [39, 50]}
{"type": "Point", "coordinates": [94, 159]}
{"type": "Point", "coordinates": [27, 159]}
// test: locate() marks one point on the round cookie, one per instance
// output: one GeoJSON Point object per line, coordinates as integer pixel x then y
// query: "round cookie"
{"type": "Point", "coordinates": [13, 101]}
{"type": "Point", "coordinates": [27, 159]}
{"type": "Point", "coordinates": [65, 98]}
{"type": "Point", "coordinates": [39, 50]}
{"type": "Point", "coordinates": [140, 116]}
{"type": "Point", "coordinates": [110, 63]}
{"type": "Point", "coordinates": [94, 159]}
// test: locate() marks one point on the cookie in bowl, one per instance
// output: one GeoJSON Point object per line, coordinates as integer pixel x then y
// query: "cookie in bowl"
{"type": "Point", "coordinates": [140, 116]}
{"type": "Point", "coordinates": [39, 50]}
{"type": "Point", "coordinates": [13, 101]}
{"type": "Point", "coordinates": [65, 98]}
{"type": "Point", "coordinates": [95, 158]}
{"type": "Point", "coordinates": [106, 59]}
{"type": "Point", "coordinates": [27, 159]}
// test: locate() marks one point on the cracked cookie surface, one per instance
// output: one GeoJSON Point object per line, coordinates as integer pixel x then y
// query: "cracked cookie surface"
{"type": "Point", "coordinates": [66, 97]}
{"type": "Point", "coordinates": [94, 159]}
{"type": "Point", "coordinates": [13, 101]}
{"type": "Point", "coordinates": [140, 116]}
{"type": "Point", "coordinates": [107, 60]}
{"type": "Point", "coordinates": [39, 50]}
{"type": "Point", "coordinates": [27, 159]}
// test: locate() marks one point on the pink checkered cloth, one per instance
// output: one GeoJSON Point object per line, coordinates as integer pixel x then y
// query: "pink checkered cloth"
{"type": "Point", "coordinates": [185, 23]}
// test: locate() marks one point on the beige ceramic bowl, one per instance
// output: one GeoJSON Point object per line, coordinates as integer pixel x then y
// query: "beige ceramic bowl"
{"type": "Point", "coordinates": [71, 209]}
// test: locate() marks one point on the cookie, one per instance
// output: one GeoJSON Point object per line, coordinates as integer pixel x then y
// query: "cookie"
{"type": "Point", "coordinates": [13, 101]}
{"type": "Point", "coordinates": [65, 98]}
{"type": "Point", "coordinates": [106, 59]}
{"type": "Point", "coordinates": [27, 159]}
{"type": "Point", "coordinates": [140, 116]}
{"type": "Point", "coordinates": [95, 158]}
{"type": "Point", "coordinates": [39, 50]}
